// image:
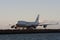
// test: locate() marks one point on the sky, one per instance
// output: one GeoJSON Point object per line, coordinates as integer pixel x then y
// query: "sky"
{"type": "Point", "coordinates": [13, 10]}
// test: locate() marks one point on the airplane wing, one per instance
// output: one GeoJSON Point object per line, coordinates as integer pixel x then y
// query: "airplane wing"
{"type": "Point", "coordinates": [45, 25]}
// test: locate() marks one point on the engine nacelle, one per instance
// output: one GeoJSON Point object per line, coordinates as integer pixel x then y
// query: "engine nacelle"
{"type": "Point", "coordinates": [44, 26]}
{"type": "Point", "coordinates": [12, 26]}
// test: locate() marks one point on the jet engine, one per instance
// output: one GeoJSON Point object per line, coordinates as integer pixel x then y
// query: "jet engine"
{"type": "Point", "coordinates": [12, 26]}
{"type": "Point", "coordinates": [44, 26]}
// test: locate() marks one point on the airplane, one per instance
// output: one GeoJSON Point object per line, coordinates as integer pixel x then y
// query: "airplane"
{"type": "Point", "coordinates": [31, 25]}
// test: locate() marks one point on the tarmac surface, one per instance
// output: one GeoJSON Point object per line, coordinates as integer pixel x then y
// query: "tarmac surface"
{"type": "Point", "coordinates": [29, 31]}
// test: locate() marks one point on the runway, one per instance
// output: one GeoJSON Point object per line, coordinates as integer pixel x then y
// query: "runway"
{"type": "Point", "coordinates": [16, 31]}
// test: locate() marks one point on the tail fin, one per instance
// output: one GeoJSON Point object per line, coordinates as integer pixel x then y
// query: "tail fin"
{"type": "Point", "coordinates": [37, 19]}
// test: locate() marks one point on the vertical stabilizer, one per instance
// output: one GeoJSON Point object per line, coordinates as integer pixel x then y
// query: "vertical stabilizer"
{"type": "Point", "coordinates": [37, 19]}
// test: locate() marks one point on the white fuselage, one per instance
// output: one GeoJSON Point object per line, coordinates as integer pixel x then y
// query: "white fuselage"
{"type": "Point", "coordinates": [24, 23]}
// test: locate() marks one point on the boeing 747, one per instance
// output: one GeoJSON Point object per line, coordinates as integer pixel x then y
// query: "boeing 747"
{"type": "Point", "coordinates": [31, 25]}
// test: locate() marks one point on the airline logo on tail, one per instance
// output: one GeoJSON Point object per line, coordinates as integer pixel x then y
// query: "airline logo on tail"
{"type": "Point", "coordinates": [37, 19]}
